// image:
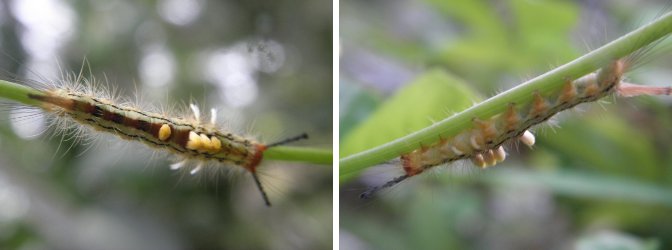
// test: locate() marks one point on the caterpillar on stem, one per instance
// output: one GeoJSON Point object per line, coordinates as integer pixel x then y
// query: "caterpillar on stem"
{"type": "Point", "coordinates": [197, 144]}
{"type": "Point", "coordinates": [483, 142]}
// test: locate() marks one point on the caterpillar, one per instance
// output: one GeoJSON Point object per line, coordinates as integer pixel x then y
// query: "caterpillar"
{"type": "Point", "coordinates": [197, 144]}
{"type": "Point", "coordinates": [484, 142]}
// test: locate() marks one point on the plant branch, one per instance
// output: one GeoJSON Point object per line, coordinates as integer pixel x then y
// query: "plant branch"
{"type": "Point", "coordinates": [553, 80]}
{"type": "Point", "coordinates": [18, 92]}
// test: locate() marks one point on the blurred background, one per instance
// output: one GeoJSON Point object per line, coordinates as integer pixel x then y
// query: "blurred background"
{"type": "Point", "coordinates": [601, 178]}
{"type": "Point", "coordinates": [265, 65]}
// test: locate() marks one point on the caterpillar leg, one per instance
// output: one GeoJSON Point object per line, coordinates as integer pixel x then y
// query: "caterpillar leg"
{"type": "Point", "coordinates": [261, 189]}
{"type": "Point", "coordinates": [371, 191]}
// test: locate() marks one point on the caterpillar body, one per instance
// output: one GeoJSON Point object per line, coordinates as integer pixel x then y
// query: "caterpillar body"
{"type": "Point", "coordinates": [195, 143]}
{"type": "Point", "coordinates": [484, 143]}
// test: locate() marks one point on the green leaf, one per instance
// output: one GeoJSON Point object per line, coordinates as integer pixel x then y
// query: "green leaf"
{"type": "Point", "coordinates": [429, 97]}
{"type": "Point", "coordinates": [480, 17]}
{"type": "Point", "coordinates": [516, 37]}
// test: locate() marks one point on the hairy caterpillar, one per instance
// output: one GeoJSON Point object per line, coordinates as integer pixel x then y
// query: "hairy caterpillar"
{"type": "Point", "coordinates": [196, 143]}
{"type": "Point", "coordinates": [483, 142]}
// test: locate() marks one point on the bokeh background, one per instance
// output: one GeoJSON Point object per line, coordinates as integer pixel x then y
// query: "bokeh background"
{"type": "Point", "coordinates": [600, 179]}
{"type": "Point", "coordinates": [266, 66]}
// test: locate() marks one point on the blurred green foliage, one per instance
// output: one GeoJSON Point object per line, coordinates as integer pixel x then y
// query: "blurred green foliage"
{"type": "Point", "coordinates": [602, 171]}
{"type": "Point", "coordinates": [507, 42]}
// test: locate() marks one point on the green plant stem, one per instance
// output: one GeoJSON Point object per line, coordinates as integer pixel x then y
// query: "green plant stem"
{"type": "Point", "coordinates": [19, 93]}
{"type": "Point", "coordinates": [553, 80]}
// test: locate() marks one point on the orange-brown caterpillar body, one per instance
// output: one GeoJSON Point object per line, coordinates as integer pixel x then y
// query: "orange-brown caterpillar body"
{"type": "Point", "coordinates": [485, 139]}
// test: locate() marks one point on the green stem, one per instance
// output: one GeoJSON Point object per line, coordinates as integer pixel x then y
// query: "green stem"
{"type": "Point", "coordinates": [352, 165]}
{"type": "Point", "coordinates": [19, 93]}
